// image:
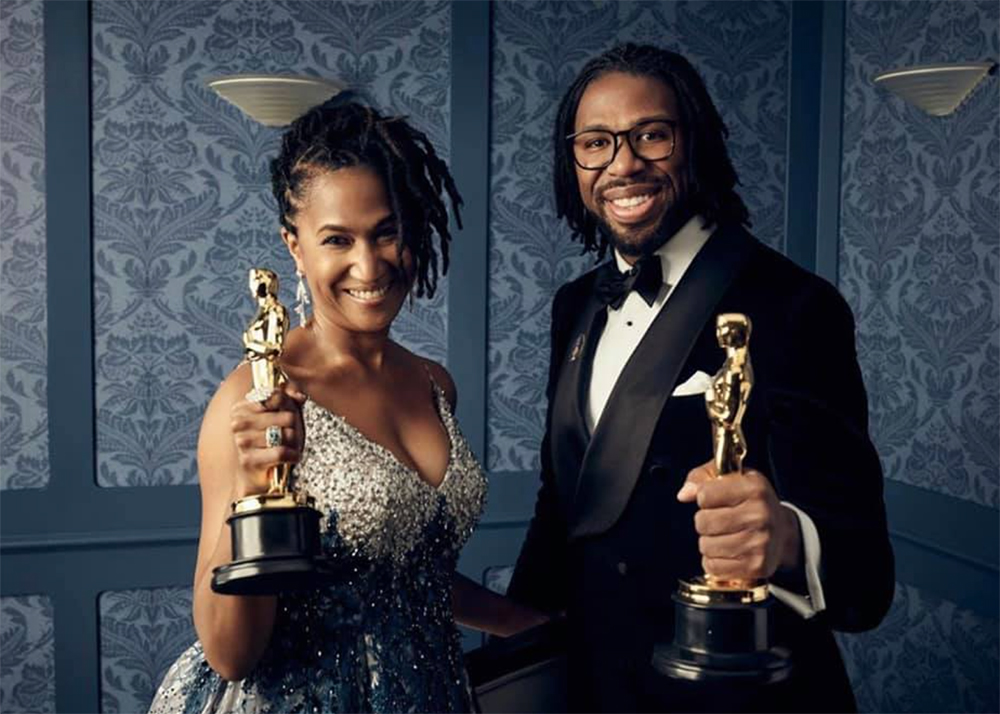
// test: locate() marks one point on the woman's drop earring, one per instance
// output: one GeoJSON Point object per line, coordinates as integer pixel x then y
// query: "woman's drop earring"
{"type": "Point", "coordinates": [301, 298]}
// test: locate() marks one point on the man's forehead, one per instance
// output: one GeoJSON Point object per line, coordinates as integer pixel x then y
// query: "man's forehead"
{"type": "Point", "coordinates": [618, 101]}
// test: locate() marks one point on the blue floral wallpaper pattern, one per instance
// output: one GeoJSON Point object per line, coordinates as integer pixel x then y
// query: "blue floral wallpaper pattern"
{"type": "Point", "coordinates": [927, 656]}
{"type": "Point", "coordinates": [142, 633]}
{"type": "Point", "coordinates": [27, 654]}
{"type": "Point", "coordinates": [741, 49]}
{"type": "Point", "coordinates": [919, 255]}
{"type": "Point", "coordinates": [24, 458]}
{"type": "Point", "coordinates": [182, 204]}
{"type": "Point", "coordinates": [920, 247]}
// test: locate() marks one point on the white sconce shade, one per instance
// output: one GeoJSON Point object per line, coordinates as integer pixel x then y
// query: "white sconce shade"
{"type": "Point", "coordinates": [273, 100]}
{"type": "Point", "coordinates": [937, 89]}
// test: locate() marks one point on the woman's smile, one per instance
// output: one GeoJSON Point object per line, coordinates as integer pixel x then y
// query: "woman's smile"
{"type": "Point", "coordinates": [372, 295]}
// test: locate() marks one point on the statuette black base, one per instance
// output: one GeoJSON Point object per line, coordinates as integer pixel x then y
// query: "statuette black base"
{"type": "Point", "coordinates": [276, 548]}
{"type": "Point", "coordinates": [722, 641]}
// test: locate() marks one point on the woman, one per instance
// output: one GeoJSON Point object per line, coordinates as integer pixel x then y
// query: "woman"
{"type": "Point", "coordinates": [375, 442]}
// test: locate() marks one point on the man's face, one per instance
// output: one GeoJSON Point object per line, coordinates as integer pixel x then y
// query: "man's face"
{"type": "Point", "coordinates": [632, 196]}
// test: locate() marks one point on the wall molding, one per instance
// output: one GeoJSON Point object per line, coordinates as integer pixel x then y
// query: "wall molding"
{"type": "Point", "coordinates": [70, 345]}
{"type": "Point", "coordinates": [831, 120]}
{"type": "Point", "coordinates": [68, 237]}
{"type": "Point", "coordinates": [510, 503]}
{"type": "Point", "coordinates": [468, 277]}
{"type": "Point", "coordinates": [81, 507]}
{"type": "Point", "coordinates": [957, 527]}
{"type": "Point", "coordinates": [946, 546]}
{"type": "Point", "coordinates": [96, 540]}
{"type": "Point", "coordinates": [804, 87]}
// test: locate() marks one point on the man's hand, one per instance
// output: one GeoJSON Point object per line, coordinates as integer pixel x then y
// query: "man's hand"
{"type": "Point", "coordinates": [744, 531]}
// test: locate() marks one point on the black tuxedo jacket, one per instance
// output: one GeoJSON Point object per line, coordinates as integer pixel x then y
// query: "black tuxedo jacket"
{"type": "Point", "coordinates": [609, 540]}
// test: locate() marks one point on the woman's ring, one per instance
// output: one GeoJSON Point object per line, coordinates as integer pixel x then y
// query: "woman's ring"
{"type": "Point", "coordinates": [273, 435]}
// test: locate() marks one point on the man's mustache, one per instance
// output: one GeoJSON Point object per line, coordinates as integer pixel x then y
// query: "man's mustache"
{"type": "Point", "coordinates": [664, 182]}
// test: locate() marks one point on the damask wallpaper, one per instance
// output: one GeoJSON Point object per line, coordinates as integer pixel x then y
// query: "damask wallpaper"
{"type": "Point", "coordinates": [182, 204]}
{"type": "Point", "coordinates": [27, 654]}
{"type": "Point", "coordinates": [927, 656]}
{"type": "Point", "coordinates": [741, 49]}
{"type": "Point", "coordinates": [142, 633]}
{"type": "Point", "coordinates": [24, 458]}
{"type": "Point", "coordinates": [920, 247]}
{"type": "Point", "coordinates": [919, 255]}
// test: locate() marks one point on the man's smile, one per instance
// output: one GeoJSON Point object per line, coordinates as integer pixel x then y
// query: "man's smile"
{"type": "Point", "coordinates": [633, 204]}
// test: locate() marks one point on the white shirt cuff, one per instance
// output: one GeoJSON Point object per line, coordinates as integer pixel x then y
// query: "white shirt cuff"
{"type": "Point", "coordinates": [805, 605]}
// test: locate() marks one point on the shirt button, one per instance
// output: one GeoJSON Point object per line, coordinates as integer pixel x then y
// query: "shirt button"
{"type": "Point", "coordinates": [622, 568]}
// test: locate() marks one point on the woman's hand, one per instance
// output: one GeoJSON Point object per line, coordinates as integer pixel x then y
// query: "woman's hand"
{"type": "Point", "coordinates": [249, 422]}
{"type": "Point", "coordinates": [481, 609]}
{"type": "Point", "coordinates": [521, 618]}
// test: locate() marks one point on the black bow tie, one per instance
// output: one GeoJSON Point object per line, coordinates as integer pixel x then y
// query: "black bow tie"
{"type": "Point", "coordinates": [645, 277]}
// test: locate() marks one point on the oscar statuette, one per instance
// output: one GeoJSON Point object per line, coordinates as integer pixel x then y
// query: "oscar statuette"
{"type": "Point", "coordinates": [276, 534]}
{"type": "Point", "coordinates": [722, 626]}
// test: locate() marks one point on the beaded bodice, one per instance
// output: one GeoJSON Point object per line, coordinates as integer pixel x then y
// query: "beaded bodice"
{"type": "Point", "coordinates": [383, 507]}
{"type": "Point", "coordinates": [382, 638]}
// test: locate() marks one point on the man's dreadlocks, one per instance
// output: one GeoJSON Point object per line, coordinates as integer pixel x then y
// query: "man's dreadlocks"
{"type": "Point", "coordinates": [711, 177]}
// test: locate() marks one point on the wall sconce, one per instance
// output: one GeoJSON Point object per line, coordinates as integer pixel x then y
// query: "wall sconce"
{"type": "Point", "coordinates": [273, 100]}
{"type": "Point", "coordinates": [937, 89]}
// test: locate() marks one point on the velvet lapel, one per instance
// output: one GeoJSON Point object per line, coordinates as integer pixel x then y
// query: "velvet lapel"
{"type": "Point", "coordinates": [618, 447]}
{"type": "Point", "coordinates": [569, 434]}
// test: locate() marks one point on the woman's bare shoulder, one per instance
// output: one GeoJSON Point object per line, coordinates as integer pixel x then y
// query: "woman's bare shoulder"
{"type": "Point", "coordinates": [437, 372]}
{"type": "Point", "coordinates": [443, 379]}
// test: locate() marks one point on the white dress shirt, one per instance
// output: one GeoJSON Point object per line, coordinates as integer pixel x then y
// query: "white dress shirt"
{"type": "Point", "coordinates": [624, 331]}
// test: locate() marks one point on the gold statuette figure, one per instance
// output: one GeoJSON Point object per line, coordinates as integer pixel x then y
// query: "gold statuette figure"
{"type": "Point", "coordinates": [726, 403]}
{"type": "Point", "coordinates": [263, 343]}
{"type": "Point", "coordinates": [275, 535]}
{"type": "Point", "coordinates": [726, 399]}
{"type": "Point", "coordinates": [721, 625]}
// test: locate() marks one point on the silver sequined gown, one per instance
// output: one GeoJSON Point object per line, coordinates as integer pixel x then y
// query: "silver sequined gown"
{"type": "Point", "coordinates": [384, 639]}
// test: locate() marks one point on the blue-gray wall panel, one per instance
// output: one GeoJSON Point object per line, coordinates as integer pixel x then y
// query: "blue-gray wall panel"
{"type": "Point", "coordinates": [920, 230]}
{"type": "Point", "coordinates": [142, 632]}
{"type": "Point", "coordinates": [182, 203]}
{"type": "Point", "coordinates": [928, 656]}
{"type": "Point", "coordinates": [24, 459]}
{"type": "Point", "coordinates": [27, 677]}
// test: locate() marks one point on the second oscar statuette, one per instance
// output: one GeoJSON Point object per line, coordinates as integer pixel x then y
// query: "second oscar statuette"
{"type": "Point", "coordinates": [275, 535]}
{"type": "Point", "coordinates": [722, 628]}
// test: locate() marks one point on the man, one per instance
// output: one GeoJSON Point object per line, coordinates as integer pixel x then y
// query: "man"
{"type": "Point", "coordinates": [627, 504]}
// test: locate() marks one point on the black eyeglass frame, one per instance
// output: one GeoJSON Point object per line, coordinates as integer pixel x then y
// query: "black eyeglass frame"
{"type": "Point", "coordinates": [627, 133]}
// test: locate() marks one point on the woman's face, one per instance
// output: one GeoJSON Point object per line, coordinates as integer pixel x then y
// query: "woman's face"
{"type": "Point", "coordinates": [346, 248]}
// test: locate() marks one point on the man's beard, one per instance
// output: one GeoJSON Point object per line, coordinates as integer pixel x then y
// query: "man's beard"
{"type": "Point", "coordinates": [647, 240]}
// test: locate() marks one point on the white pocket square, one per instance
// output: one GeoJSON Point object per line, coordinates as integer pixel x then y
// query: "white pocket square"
{"type": "Point", "coordinates": [697, 383]}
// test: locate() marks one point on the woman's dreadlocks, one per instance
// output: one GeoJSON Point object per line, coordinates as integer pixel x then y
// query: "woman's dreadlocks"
{"type": "Point", "coordinates": [338, 134]}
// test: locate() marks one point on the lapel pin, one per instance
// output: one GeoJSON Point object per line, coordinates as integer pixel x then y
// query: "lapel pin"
{"type": "Point", "coordinates": [577, 349]}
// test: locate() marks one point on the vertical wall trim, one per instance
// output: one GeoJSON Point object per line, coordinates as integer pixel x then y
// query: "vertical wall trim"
{"type": "Point", "coordinates": [468, 277]}
{"type": "Point", "coordinates": [830, 141]}
{"type": "Point", "coordinates": [70, 331]}
{"type": "Point", "coordinates": [68, 228]}
{"type": "Point", "coordinates": [77, 644]}
{"type": "Point", "coordinates": [803, 132]}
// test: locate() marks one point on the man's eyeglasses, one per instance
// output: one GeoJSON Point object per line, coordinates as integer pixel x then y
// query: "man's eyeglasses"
{"type": "Point", "coordinates": [597, 148]}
